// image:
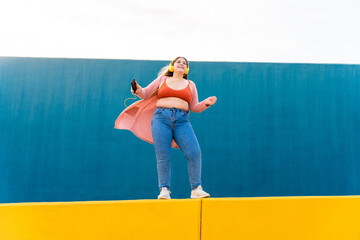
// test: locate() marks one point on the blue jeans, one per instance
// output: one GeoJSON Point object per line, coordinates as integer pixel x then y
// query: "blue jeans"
{"type": "Point", "coordinates": [169, 123]}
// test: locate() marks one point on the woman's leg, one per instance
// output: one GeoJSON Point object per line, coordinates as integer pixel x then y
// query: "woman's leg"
{"type": "Point", "coordinates": [162, 136]}
{"type": "Point", "coordinates": [185, 138]}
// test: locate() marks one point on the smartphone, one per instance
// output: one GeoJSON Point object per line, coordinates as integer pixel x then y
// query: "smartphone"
{"type": "Point", "coordinates": [133, 85]}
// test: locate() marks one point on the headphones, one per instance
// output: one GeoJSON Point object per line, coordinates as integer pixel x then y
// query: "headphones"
{"type": "Point", "coordinates": [171, 67]}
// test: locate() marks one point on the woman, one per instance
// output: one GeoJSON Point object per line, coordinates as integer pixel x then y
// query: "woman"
{"type": "Point", "coordinates": [173, 96]}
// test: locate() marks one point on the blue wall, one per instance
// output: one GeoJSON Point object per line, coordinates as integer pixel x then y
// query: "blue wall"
{"type": "Point", "coordinates": [276, 130]}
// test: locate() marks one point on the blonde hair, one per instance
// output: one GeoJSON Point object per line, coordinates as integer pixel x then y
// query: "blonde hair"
{"type": "Point", "coordinates": [165, 70]}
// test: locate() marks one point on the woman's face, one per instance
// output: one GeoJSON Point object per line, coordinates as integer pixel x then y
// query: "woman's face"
{"type": "Point", "coordinates": [180, 65]}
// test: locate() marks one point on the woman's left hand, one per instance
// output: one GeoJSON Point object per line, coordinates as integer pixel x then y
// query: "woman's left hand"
{"type": "Point", "coordinates": [210, 101]}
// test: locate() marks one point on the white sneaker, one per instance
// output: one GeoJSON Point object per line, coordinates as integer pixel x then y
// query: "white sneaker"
{"type": "Point", "coordinates": [164, 194]}
{"type": "Point", "coordinates": [199, 193]}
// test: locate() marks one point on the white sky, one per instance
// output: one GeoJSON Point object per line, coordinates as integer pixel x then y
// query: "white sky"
{"type": "Point", "coordinates": [311, 31]}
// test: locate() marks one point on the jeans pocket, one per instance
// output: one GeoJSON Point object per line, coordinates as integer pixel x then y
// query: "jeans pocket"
{"type": "Point", "coordinates": [185, 114]}
{"type": "Point", "coordinates": [158, 111]}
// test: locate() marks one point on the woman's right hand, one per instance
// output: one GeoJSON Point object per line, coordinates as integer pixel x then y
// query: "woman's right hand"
{"type": "Point", "coordinates": [138, 89]}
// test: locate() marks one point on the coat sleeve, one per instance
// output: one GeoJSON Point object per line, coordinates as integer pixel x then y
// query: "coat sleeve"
{"type": "Point", "coordinates": [147, 92]}
{"type": "Point", "coordinates": [195, 105]}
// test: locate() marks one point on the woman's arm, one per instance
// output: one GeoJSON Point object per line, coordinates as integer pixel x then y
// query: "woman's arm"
{"type": "Point", "coordinates": [195, 105]}
{"type": "Point", "coordinates": [146, 92]}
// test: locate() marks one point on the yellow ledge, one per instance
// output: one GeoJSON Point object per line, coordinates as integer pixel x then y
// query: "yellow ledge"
{"type": "Point", "coordinates": [139, 219]}
{"type": "Point", "coordinates": [214, 218]}
{"type": "Point", "coordinates": [290, 218]}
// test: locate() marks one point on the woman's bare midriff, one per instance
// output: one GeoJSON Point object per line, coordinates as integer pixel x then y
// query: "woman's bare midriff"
{"type": "Point", "coordinates": [173, 102]}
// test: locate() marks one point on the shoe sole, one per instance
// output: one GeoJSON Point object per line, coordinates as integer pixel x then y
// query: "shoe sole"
{"type": "Point", "coordinates": [206, 196]}
{"type": "Point", "coordinates": [164, 198]}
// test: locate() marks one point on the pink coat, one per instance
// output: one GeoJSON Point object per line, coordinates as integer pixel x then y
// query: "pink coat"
{"type": "Point", "coordinates": [137, 117]}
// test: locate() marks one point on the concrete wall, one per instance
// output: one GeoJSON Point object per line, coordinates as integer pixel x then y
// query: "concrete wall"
{"type": "Point", "coordinates": [297, 218]}
{"type": "Point", "coordinates": [276, 130]}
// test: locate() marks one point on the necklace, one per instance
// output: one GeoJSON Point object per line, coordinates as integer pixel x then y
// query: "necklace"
{"type": "Point", "coordinates": [175, 80]}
